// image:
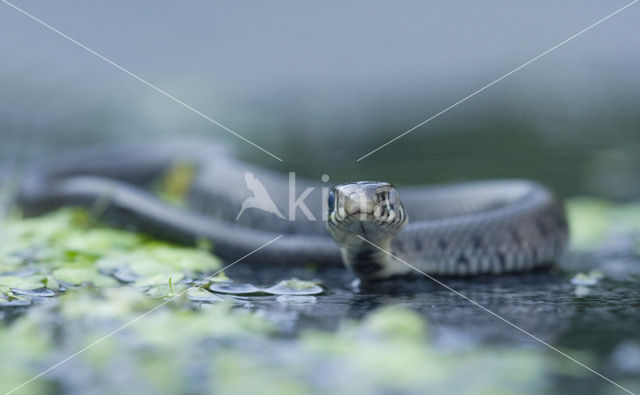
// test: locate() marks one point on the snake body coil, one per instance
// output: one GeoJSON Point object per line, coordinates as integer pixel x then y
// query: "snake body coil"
{"type": "Point", "coordinates": [462, 229]}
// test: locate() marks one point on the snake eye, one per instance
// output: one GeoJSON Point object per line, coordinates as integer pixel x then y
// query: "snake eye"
{"type": "Point", "coordinates": [331, 201]}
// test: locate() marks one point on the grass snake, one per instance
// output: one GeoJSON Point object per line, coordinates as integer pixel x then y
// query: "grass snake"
{"type": "Point", "coordinates": [482, 227]}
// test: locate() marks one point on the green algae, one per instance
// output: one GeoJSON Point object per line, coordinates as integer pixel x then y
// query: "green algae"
{"type": "Point", "coordinates": [234, 350]}
{"type": "Point", "coordinates": [174, 184]}
{"type": "Point", "coordinates": [29, 282]}
{"type": "Point", "coordinates": [69, 247]}
{"type": "Point", "coordinates": [292, 286]}
{"type": "Point", "coordinates": [593, 222]}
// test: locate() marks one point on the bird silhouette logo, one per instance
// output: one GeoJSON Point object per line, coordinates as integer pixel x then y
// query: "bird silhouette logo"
{"type": "Point", "coordinates": [260, 198]}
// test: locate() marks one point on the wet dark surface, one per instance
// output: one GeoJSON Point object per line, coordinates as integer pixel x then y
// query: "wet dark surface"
{"type": "Point", "coordinates": [544, 303]}
{"type": "Point", "coordinates": [541, 302]}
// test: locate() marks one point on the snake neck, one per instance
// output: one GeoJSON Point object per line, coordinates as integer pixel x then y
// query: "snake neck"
{"type": "Point", "coordinates": [369, 262]}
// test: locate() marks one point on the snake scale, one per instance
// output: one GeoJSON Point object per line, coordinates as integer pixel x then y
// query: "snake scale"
{"type": "Point", "coordinates": [484, 227]}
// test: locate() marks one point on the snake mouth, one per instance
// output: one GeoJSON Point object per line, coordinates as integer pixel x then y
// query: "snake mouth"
{"type": "Point", "coordinates": [378, 214]}
{"type": "Point", "coordinates": [357, 205]}
{"type": "Point", "coordinates": [360, 213]}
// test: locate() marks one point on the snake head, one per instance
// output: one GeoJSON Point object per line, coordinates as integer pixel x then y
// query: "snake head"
{"type": "Point", "coordinates": [370, 209]}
